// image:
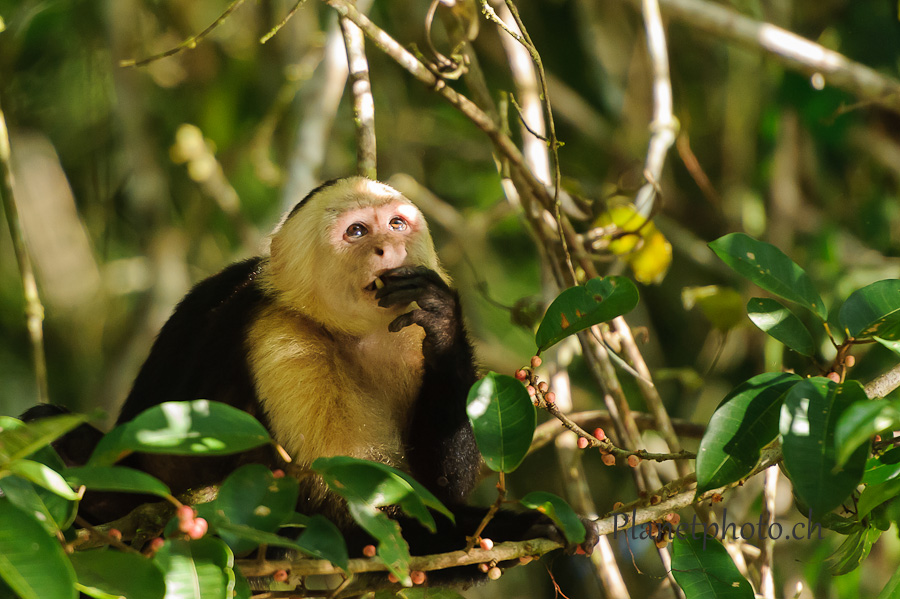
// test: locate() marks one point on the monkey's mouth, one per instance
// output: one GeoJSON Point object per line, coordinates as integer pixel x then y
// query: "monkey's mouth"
{"type": "Point", "coordinates": [374, 285]}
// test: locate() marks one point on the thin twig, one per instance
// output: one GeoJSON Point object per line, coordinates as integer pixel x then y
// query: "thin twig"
{"type": "Point", "coordinates": [188, 44]}
{"type": "Point", "coordinates": [794, 51]}
{"type": "Point", "coordinates": [34, 309]}
{"type": "Point", "coordinates": [283, 22]}
{"type": "Point", "coordinates": [363, 103]}
{"type": "Point", "coordinates": [664, 126]}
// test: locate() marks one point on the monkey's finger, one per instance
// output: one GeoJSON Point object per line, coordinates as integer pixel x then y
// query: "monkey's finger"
{"type": "Point", "coordinates": [417, 272]}
{"type": "Point", "coordinates": [399, 298]}
{"type": "Point", "coordinates": [404, 320]}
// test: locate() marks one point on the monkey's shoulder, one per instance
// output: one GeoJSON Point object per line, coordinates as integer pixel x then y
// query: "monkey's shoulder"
{"type": "Point", "coordinates": [199, 353]}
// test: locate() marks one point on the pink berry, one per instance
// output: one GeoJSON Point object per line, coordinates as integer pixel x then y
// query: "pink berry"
{"type": "Point", "coordinates": [536, 361]}
{"type": "Point", "coordinates": [521, 375]}
{"type": "Point", "coordinates": [582, 443]}
{"type": "Point", "coordinates": [278, 473]}
{"type": "Point", "coordinates": [494, 573]}
{"type": "Point", "coordinates": [185, 513]}
{"type": "Point", "coordinates": [156, 544]}
{"type": "Point", "coordinates": [199, 529]}
{"type": "Point", "coordinates": [550, 397]}
{"type": "Point", "coordinates": [543, 386]}
{"type": "Point", "coordinates": [280, 576]}
{"type": "Point", "coordinates": [598, 432]}
{"type": "Point", "coordinates": [834, 377]}
{"type": "Point", "coordinates": [487, 544]}
{"type": "Point", "coordinates": [484, 568]}
{"type": "Point", "coordinates": [417, 576]}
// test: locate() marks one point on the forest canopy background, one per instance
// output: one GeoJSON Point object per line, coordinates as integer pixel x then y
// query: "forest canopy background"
{"type": "Point", "coordinates": [134, 183]}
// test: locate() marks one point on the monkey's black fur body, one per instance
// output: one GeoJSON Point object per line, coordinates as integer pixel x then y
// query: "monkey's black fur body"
{"type": "Point", "coordinates": [203, 352]}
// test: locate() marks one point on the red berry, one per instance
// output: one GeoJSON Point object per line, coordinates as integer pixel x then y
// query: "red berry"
{"type": "Point", "coordinates": [156, 544]}
{"type": "Point", "coordinates": [280, 576]}
{"type": "Point", "coordinates": [393, 578]}
{"type": "Point", "coordinates": [369, 551]}
{"type": "Point", "coordinates": [199, 529]}
{"type": "Point", "coordinates": [598, 432]}
{"type": "Point", "coordinates": [115, 533]}
{"type": "Point", "coordinates": [521, 375]}
{"type": "Point", "coordinates": [278, 473]}
{"type": "Point", "coordinates": [582, 443]}
{"type": "Point", "coordinates": [417, 576]}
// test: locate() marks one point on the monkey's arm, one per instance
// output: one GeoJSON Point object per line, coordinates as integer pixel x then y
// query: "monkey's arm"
{"type": "Point", "coordinates": [442, 453]}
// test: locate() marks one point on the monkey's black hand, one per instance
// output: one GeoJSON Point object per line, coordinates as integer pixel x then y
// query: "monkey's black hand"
{"type": "Point", "coordinates": [438, 312]}
{"type": "Point", "coordinates": [545, 528]}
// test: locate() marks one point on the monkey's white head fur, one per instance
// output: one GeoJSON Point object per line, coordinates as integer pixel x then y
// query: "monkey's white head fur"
{"type": "Point", "coordinates": [327, 253]}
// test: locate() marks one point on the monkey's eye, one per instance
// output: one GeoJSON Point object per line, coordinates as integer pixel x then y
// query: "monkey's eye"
{"type": "Point", "coordinates": [356, 230]}
{"type": "Point", "coordinates": [398, 224]}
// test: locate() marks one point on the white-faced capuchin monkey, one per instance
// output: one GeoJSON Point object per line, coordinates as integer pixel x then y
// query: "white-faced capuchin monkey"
{"type": "Point", "coordinates": [319, 340]}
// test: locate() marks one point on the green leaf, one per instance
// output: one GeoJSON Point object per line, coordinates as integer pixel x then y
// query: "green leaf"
{"type": "Point", "coordinates": [28, 557]}
{"type": "Point", "coordinates": [774, 319]}
{"type": "Point", "coordinates": [43, 476]}
{"type": "Point", "coordinates": [20, 440]}
{"type": "Point", "coordinates": [385, 484]}
{"type": "Point", "coordinates": [809, 417]}
{"type": "Point", "coordinates": [873, 311]}
{"type": "Point", "coordinates": [883, 468]}
{"type": "Point", "coordinates": [503, 419]}
{"type": "Point", "coordinates": [199, 569]}
{"type": "Point", "coordinates": [252, 496]}
{"type": "Point", "coordinates": [892, 589]}
{"type": "Point", "coordinates": [323, 540]}
{"type": "Point", "coordinates": [201, 427]}
{"type": "Point", "coordinates": [392, 548]}
{"type": "Point", "coordinates": [875, 495]}
{"type": "Point", "coordinates": [119, 574]}
{"type": "Point", "coordinates": [559, 511]}
{"type": "Point", "coordinates": [745, 422]}
{"type": "Point", "coordinates": [578, 308]}
{"type": "Point", "coordinates": [704, 570]}
{"type": "Point", "coordinates": [861, 421]}
{"type": "Point", "coordinates": [369, 485]}
{"type": "Point", "coordinates": [852, 551]}
{"type": "Point", "coordinates": [52, 511]}
{"type": "Point", "coordinates": [116, 478]}
{"type": "Point", "coordinates": [768, 267]}
{"type": "Point", "coordinates": [894, 346]}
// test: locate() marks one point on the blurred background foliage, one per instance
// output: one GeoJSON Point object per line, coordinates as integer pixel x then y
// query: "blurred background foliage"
{"type": "Point", "coordinates": [134, 183]}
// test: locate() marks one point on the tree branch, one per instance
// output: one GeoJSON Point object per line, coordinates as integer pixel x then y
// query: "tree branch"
{"type": "Point", "coordinates": [794, 51]}
{"type": "Point", "coordinates": [34, 309]}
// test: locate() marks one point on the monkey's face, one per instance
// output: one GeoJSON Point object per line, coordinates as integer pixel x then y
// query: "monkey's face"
{"type": "Point", "coordinates": [327, 258]}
